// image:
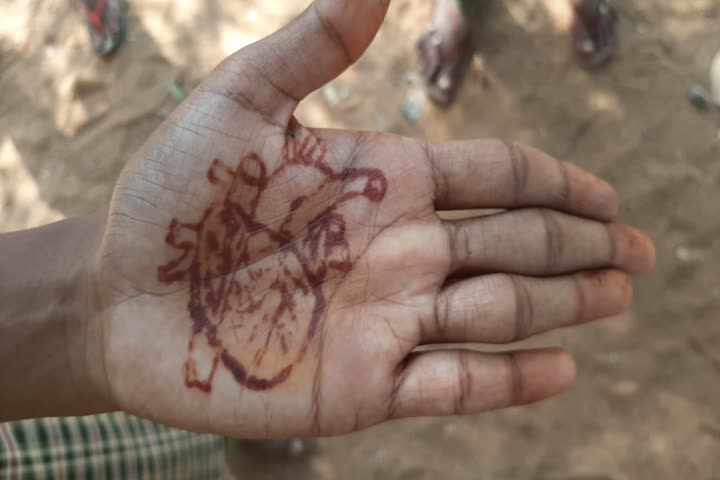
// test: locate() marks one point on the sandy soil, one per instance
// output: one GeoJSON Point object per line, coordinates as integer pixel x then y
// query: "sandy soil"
{"type": "Point", "coordinates": [647, 400]}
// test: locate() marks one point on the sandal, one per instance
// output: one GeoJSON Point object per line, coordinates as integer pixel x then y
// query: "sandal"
{"type": "Point", "coordinates": [594, 36]}
{"type": "Point", "coordinates": [106, 23]}
{"type": "Point", "coordinates": [445, 51]}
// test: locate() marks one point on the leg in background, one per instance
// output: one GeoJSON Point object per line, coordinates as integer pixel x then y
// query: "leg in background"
{"type": "Point", "coordinates": [445, 49]}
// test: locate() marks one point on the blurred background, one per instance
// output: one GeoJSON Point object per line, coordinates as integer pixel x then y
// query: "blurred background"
{"type": "Point", "coordinates": [647, 400]}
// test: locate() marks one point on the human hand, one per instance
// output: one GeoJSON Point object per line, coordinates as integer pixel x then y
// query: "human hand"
{"type": "Point", "coordinates": [259, 278]}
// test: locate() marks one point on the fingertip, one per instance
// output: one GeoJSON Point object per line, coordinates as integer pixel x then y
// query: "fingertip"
{"type": "Point", "coordinates": [606, 200]}
{"type": "Point", "coordinates": [645, 251]}
{"type": "Point", "coordinates": [564, 369]}
{"type": "Point", "coordinates": [651, 254]}
{"type": "Point", "coordinates": [591, 195]}
{"type": "Point", "coordinates": [606, 293]}
{"type": "Point", "coordinates": [548, 372]}
{"type": "Point", "coordinates": [636, 252]}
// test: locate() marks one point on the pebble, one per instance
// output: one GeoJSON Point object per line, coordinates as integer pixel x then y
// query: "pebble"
{"type": "Point", "coordinates": [412, 108]}
{"type": "Point", "coordinates": [625, 388]}
{"type": "Point", "coordinates": [698, 97]}
{"type": "Point", "coordinates": [379, 455]}
{"type": "Point", "coordinates": [334, 95]}
{"type": "Point", "coordinates": [297, 447]}
{"type": "Point", "coordinates": [331, 95]}
{"type": "Point", "coordinates": [323, 468]}
{"type": "Point", "coordinates": [449, 429]}
{"type": "Point", "coordinates": [685, 254]}
{"type": "Point", "coordinates": [682, 254]}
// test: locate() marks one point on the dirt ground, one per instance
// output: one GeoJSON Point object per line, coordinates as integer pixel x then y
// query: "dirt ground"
{"type": "Point", "coordinates": [647, 400]}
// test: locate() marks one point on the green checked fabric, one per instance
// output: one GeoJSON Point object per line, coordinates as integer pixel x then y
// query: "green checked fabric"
{"type": "Point", "coordinates": [108, 446]}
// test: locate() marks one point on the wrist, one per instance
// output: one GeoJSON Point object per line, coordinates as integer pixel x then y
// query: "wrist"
{"type": "Point", "coordinates": [86, 322]}
{"type": "Point", "coordinates": [51, 342]}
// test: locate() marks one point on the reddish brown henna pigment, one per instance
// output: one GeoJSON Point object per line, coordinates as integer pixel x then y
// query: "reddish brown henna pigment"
{"type": "Point", "coordinates": [256, 289]}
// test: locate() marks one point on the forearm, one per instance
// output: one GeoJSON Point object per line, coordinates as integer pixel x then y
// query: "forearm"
{"type": "Point", "coordinates": [50, 346]}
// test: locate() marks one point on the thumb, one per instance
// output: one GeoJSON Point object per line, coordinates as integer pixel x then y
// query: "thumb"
{"type": "Point", "coordinates": [277, 72]}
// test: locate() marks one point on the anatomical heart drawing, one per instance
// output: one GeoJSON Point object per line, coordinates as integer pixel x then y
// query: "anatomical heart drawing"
{"type": "Point", "coordinates": [258, 262]}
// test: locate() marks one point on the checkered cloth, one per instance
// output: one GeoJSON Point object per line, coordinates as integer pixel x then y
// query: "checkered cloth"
{"type": "Point", "coordinates": [108, 446]}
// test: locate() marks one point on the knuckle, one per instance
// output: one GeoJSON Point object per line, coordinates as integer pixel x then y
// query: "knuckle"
{"type": "Point", "coordinates": [519, 166]}
{"type": "Point", "coordinates": [441, 315]}
{"type": "Point", "coordinates": [459, 244]}
{"type": "Point", "coordinates": [524, 310]}
{"type": "Point", "coordinates": [440, 181]}
{"type": "Point", "coordinates": [612, 255]}
{"type": "Point", "coordinates": [565, 187]}
{"type": "Point", "coordinates": [578, 315]}
{"type": "Point", "coordinates": [463, 388]}
{"type": "Point", "coordinates": [515, 381]}
{"type": "Point", "coordinates": [335, 35]}
{"type": "Point", "coordinates": [553, 238]}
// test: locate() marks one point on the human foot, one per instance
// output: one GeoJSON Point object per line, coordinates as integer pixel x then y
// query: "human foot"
{"type": "Point", "coordinates": [445, 51]}
{"type": "Point", "coordinates": [594, 36]}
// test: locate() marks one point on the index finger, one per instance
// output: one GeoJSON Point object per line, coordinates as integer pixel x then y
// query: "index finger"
{"type": "Point", "coordinates": [486, 174]}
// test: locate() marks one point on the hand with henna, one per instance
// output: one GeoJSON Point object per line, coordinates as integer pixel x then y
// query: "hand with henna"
{"type": "Point", "coordinates": [259, 278]}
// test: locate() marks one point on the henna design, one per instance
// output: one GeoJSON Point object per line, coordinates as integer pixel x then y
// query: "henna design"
{"type": "Point", "coordinates": [257, 289]}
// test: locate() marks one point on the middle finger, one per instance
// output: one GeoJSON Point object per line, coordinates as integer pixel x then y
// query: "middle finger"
{"type": "Point", "coordinates": [544, 242]}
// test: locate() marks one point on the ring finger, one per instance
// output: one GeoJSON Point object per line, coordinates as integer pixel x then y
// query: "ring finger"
{"type": "Point", "coordinates": [507, 308]}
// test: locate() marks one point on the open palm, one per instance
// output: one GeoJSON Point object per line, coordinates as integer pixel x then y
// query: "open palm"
{"type": "Point", "coordinates": [263, 279]}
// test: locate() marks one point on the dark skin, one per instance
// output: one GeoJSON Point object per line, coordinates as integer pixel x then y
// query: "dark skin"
{"type": "Point", "coordinates": [261, 279]}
